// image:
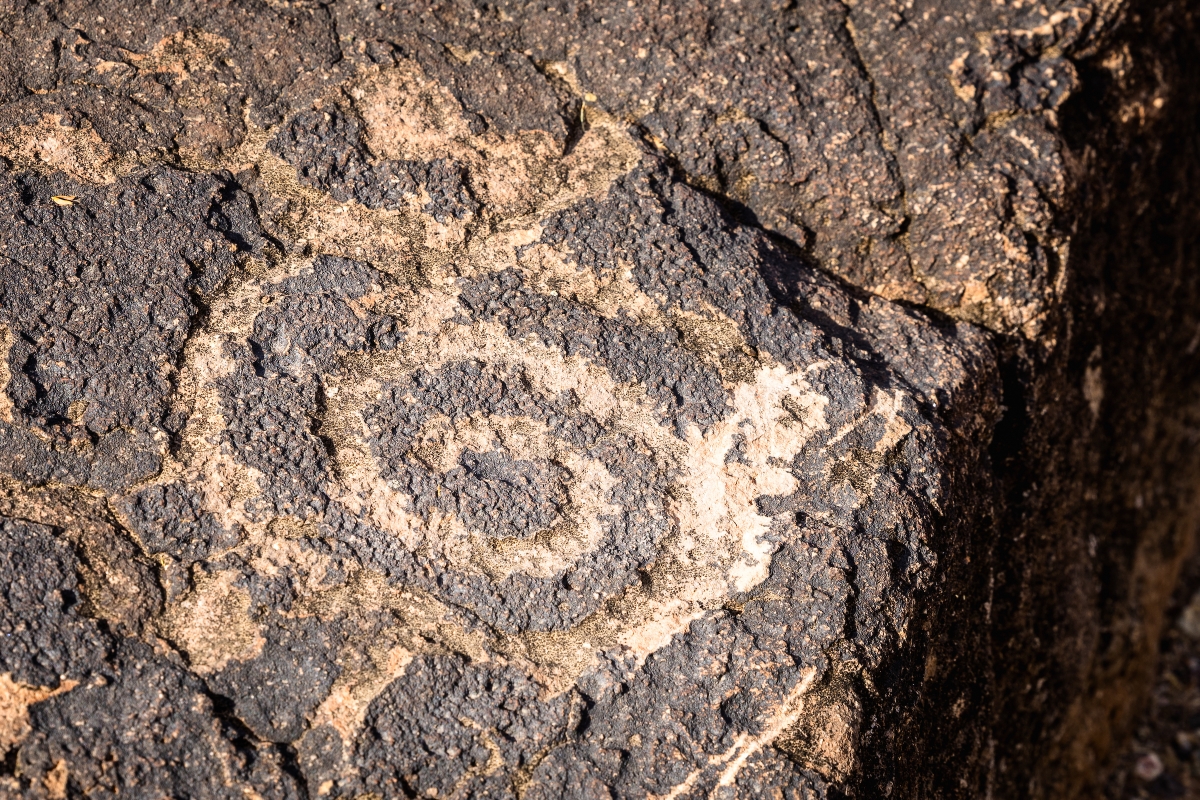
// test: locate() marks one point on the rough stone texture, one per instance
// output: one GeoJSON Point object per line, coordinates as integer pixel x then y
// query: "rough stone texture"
{"type": "Point", "coordinates": [746, 399]}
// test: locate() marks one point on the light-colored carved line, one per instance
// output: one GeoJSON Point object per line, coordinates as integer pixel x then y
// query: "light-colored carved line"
{"type": "Point", "coordinates": [15, 700]}
{"type": "Point", "coordinates": [368, 666]}
{"type": "Point", "coordinates": [745, 745]}
{"type": "Point", "coordinates": [720, 546]}
{"type": "Point", "coordinates": [6, 404]}
{"type": "Point", "coordinates": [407, 244]}
{"type": "Point", "coordinates": [211, 624]}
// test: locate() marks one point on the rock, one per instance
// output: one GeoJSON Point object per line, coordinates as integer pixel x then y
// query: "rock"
{"type": "Point", "coordinates": [1148, 767]}
{"type": "Point", "coordinates": [738, 400]}
{"type": "Point", "coordinates": [1189, 619]}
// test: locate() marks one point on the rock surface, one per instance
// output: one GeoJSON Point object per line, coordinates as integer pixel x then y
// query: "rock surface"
{"type": "Point", "coordinates": [749, 399]}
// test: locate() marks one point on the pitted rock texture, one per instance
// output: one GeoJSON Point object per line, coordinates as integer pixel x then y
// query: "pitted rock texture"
{"type": "Point", "coordinates": [633, 400]}
{"type": "Point", "coordinates": [517, 473]}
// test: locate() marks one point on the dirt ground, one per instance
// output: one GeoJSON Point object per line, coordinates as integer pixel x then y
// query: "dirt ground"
{"type": "Point", "coordinates": [1163, 759]}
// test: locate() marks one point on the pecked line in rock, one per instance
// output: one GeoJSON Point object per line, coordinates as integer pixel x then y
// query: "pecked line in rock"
{"type": "Point", "coordinates": [453, 399]}
{"type": "Point", "coordinates": [414, 456]}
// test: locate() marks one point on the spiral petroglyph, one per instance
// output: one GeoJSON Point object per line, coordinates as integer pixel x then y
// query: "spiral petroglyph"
{"type": "Point", "coordinates": [450, 435]}
{"type": "Point", "coordinates": [603, 400]}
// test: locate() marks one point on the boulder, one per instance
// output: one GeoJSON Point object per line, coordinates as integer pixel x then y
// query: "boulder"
{"type": "Point", "coordinates": [735, 400]}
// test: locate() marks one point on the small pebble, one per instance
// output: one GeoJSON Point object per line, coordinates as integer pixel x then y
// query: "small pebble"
{"type": "Point", "coordinates": [1148, 767]}
{"type": "Point", "coordinates": [1189, 620]}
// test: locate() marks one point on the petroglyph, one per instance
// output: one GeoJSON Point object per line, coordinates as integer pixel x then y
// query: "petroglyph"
{"type": "Point", "coordinates": [524, 176]}
{"type": "Point", "coordinates": [52, 146]}
{"type": "Point", "coordinates": [746, 745]}
{"type": "Point", "coordinates": [15, 700]}
{"type": "Point", "coordinates": [370, 664]}
{"type": "Point", "coordinates": [181, 54]}
{"type": "Point", "coordinates": [514, 404]}
{"type": "Point", "coordinates": [211, 624]}
{"type": "Point", "coordinates": [6, 342]}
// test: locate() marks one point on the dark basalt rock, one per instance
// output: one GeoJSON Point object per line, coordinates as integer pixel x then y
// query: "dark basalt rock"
{"type": "Point", "coordinates": [748, 399]}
